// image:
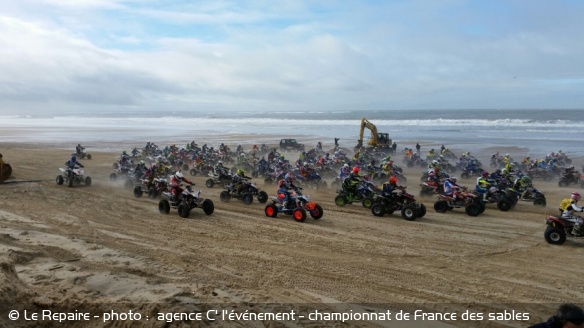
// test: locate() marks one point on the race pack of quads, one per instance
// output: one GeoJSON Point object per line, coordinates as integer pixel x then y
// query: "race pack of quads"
{"type": "Point", "coordinates": [368, 176]}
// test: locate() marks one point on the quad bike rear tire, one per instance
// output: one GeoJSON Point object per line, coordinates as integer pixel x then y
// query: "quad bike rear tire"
{"type": "Point", "coordinates": [299, 214]}
{"type": "Point", "coordinates": [441, 206]}
{"type": "Point", "coordinates": [421, 210]}
{"type": "Point", "coordinates": [113, 177]}
{"type": "Point", "coordinates": [555, 235]}
{"type": "Point", "coordinates": [271, 210]}
{"type": "Point", "coordinates": [246, 198]}
{"type": "Point", "coordinates": [340, 201]}
{"type": "Point", "coordinates": [473, 209]}
{"type": "Point", "coordinates": [87, 181]}
{"type": "Point", "coordinates": [60, 179]}
{"type": "Point", "coordinates": [539, 202]}
{"type": "Point", "coordinates": [209, 183]}
{"type": "Point", "coordinates": [367, 202]}
{"type": "Point", "coordinates": [164, 206]}
{"type": "Point", "coordinates": [224, 196]}
{"type": "Point", "coordinates": [138, 192]}
{"type": "Point", "coordinates": [377, 209]}
{"type": "Point", "coordinates": [504, 204]}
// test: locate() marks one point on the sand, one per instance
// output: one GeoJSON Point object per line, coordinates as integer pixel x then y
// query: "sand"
{"type": "Point", "coordinates": [99, 249]}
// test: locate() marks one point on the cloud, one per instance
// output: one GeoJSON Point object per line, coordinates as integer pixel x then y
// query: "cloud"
{"type": "Point", "coordinates": [264, 54]}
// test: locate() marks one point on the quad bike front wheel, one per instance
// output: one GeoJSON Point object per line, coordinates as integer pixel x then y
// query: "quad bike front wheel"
{"type": "Point", "coordinates": [539, 202]}
{"type": "Point", "coordinates": [184, 210]}
{"type": "Point", "coordinates": [316, 212]}
{"type": "Point", "coordinates": [209, 183]}
{"type": "Point", "coordinates": [262, 196]}
{"type": "Point", "coordinates": [421, 210]}
{"type": "Point", "coordinates": [137, 191]}
{"type": "Point", "coordinates": [87, 181]}
{"type": "Point", "coordinates": [60, 180]}
{"type": "Point", "coordinates": [246, 198]}
{"type": "Point", "coordinates": [473, 209]}
{"type": "Point", "coordinates": [208, 206]}
{"type": "Point", "coordinates": [409, 212]}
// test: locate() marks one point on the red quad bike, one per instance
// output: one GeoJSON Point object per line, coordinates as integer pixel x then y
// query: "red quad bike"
{"type": "Point", "coordinates": [558, 229]}
{"type": "Point", "coordinates": [472, 204]}
{"type": "Point", "coordinates": [159, 185]}
{"type": "Point", "coordinates": [298, 205]}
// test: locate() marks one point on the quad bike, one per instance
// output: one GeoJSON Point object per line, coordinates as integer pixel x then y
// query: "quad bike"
{"type": "Point", "coordinates": [569, 178]}
{"type": "Point", "coordinates": [512, 196]}
{"type": "Point", "coordinates": [401, 201]}
{"type": "Point", "coordinates": [430, 188]}
{"type": "Point", "coordinates": [471, 171]}
{"type": "Point", "coordinates": [559, 228]}
{"type": "Point", "coordinates": [215, 179]}
{"type": "Point", "coordinates": [245, 195]}
{"type": "Point", "coordinates": [159, 185]}
{"type": "Point", "coordinates": [82, 155]}
{"type": "Point", "coordinates": [188, 200]}
{"type": "Point", "coordinates": [365, 194]}
{"type": "Point", "coordinates": [73, 176]}
{"type": "Point", "coordinates": [5, 172]}
{"type": "Point", "coordinates": [298, 205]}
{"type": "Point", "coordinates": [472, 204]}
{"type": "Point", "coordinates": [313, 180]}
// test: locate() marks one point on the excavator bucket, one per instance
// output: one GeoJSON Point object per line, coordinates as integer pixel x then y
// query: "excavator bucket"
{"type": "Point", "coordinates": [5, 172]}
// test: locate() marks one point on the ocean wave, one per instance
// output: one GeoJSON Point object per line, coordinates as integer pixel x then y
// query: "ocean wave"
{"type": "Point", "coordinates": [525, 124]}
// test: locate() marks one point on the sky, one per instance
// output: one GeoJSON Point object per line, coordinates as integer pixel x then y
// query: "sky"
{"type": "Point", "coordinates": [188, 55]}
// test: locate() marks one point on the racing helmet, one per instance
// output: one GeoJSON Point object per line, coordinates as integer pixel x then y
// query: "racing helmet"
{"type": "Point", "coordinates": [142, 163]}
{"type": "Point", "coordinates": [526, 180]}
{"type": "Point", "coordinates": [220, 162]}
{"type": "Point", "coordinates": [434, 162]}
{"type": "Point", "coordinates": [355, 170]}
{"type": "Point", "coordinates": [179, 175]}
{"type": "Point", "coordinates": [393, 180]}
{"type": "Point", "coordinates": [346, 165]}
{"type": "Point", "coordinates": [74, 158]}
{"type": "Point", "coordinates": [305, 163]}
{"type": "Point", "coordinates": [485, 174]}
{"type": "Point", "coordinates": [289, 177]}
{"type": "Point", "coordinates": [240, 172]}
{"type": "Point", "coordinates": [575, 196]}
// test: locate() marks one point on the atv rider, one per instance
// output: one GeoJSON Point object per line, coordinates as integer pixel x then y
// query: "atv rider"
{"type": "Point", "coordinates": [71, 163]}
{"type": "Point", "coordinates": [284, 189]}
{"type": "Point", "coordinates": [388, 188]}
{"type": "Point", "coordinates": [220, 170]}
{"type": "Point", "coordinates": [345, 171]}
{"type": "Point", "coordinates": [140, 169]}
{"type": "Point", "coordinates": [522, 185]}
{"type": "Point", "coordinates": [238, 180]}
{"type": "Point", "coordinates": [351, 181]}
{"type": "Point", "coordinates": [305, 170]}
{"type": "Point", "coordinates": [79, 149]}
{"type": "Point", "coordinates": [568, 213]}
{"type": "Point", "coordinates": [451, 188]}
{"type": "Point", "coordinates": [483, 184]}
{"type": "Point", "coordinates": [175, 185]}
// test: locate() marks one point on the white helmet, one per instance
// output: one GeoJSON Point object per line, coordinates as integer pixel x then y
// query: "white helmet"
{"type": "Point", "coordinates": [346, 165]}
{"type": "Point", "coordinates": [142, 162]}
{"type": "Point", "coordinates": [435, 162]}
{"type": "Point", "coordinates": [179, 175]}
{"type": "Point", "coordinates": [220, 162]}
{"type": "Point", "coordinates": [305, 163]}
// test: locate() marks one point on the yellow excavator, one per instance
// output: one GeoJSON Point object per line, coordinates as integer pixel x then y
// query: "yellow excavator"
{"type": "Point", "coordinates": [377, 139]}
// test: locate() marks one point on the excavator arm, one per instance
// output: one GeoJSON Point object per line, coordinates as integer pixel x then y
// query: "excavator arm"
{"type": "Point", "coordinates": [366, 124]}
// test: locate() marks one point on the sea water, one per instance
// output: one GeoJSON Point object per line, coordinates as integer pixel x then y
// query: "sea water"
{"type": "Point", "coordinates": [535, 132]}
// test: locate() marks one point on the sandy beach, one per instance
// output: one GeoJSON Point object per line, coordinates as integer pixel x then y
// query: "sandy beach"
{"type": "Point", "coordinates": [100, 249]}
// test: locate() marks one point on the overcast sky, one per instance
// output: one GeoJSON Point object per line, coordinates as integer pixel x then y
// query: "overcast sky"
{"type": "Point", "coordinates": [91, 55]}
